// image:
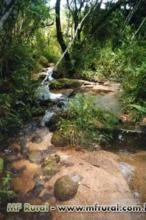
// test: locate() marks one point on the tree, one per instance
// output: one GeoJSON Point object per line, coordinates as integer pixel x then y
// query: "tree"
{"type": "Point", "coordinates": [6, 8]}
{"type": "Point", "coordinates": [60, 37]}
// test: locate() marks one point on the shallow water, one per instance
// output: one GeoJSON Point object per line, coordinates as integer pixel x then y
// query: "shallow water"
{"type": "Point", "coordinates": [129, 147]}
{"type": "Point", "coordinates": [138, 180]}
{"type": "Point", "coordinates": [109, 102]}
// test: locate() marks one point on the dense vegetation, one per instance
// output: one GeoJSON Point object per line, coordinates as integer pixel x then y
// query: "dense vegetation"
{"type": "Point", "coordinates": [82, 122]}
{"type": "Point", "coordinates": [108, 41]}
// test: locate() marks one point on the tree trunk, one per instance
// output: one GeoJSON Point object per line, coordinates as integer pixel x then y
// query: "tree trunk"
{"type": "Point", "coordinates": [6, 13]}
{"type": "Point", "coordinates": [60, 37]}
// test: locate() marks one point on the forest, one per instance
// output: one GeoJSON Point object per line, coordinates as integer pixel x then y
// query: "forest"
{"type": "Point", "coordinates": [72, 107]}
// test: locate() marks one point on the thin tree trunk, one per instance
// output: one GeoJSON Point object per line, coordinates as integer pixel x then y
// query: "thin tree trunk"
{"type": "Point", "coordinates": [130, 15]}
{"type": "Point", "coordinates": [75, 35]}
{"type": "Point", "coordinates": [138, 29]}
{"type": "Point", "coordinates": [60, 37]}
{"type": "Point", "coordinates": [102, 22]}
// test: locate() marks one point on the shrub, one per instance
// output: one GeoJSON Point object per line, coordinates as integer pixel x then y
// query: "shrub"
{"type": "Point", "coordinates": [82, 121]}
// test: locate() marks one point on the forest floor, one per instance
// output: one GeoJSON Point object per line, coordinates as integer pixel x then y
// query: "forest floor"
{"type": "Point", "coordinates": [107, 176]}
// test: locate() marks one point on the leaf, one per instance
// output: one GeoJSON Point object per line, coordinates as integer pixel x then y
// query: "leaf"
{"type": "Point", "coordinates": [138, 108]}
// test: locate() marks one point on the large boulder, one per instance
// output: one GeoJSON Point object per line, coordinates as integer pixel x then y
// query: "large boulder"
{"type": "Point", "coordinates": [102, 183]}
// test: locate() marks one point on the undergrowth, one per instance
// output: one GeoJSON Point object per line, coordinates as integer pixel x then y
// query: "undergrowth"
{"type": "Point", "coordinates": [83, 122]}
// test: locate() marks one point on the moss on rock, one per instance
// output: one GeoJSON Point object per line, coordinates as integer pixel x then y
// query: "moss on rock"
{"type": "Point", "coordinates": [58, 140]}
{"type": "Point", "coordinates": [50, 165]}
{"type": "Point", "coordinates": [65, 188]}
{"type": "Point", "coordinates": [64, 83]}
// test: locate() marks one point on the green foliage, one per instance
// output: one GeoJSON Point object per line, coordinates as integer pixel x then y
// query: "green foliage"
{"type": "Point", "coordinates": [134, 79]}
{"type": "Point", "coordinates": [125, 64]}
{"type": "Point", "coordinates": [111, 62]}
{"type": "Point", "coordinates": [5, 190]}
{"type": "Point", "coordinates": [1, 165]}
{"type": "Point", "coordinates": [83, 121]}
{"type": "Point", "coordinates": [137, 111]}
{"type": "Point", "coordinates": [23, 50]}
{"type": "Point", "coordinates": [102, 62]}
{"type": "Point", "coordinates": [46, 45]}
{"type": "Point", "coordinates": [139, 108]}
{"type": "Point", "coordinates": [19, 106]}
{"type": "Point", "coordinates": [84, 55]}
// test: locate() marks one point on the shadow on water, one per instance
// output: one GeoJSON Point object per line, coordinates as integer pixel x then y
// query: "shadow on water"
{"type": "Point", "coordinates": [125, 140]}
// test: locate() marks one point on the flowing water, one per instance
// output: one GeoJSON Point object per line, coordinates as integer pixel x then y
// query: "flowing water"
{"type": "Point", "coordinates": [27, 151]}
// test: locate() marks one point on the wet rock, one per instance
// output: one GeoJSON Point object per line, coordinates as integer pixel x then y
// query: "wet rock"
{"type": "Point", "coordinates": [7, 151]}
{"type": "Point", "coordinates": [46, 196]}
{"type": "Point", "coordinates": [47, 117]}
{"type": "Point", "coordinates": [29, 129]}
{"type": "Point", "coordinates": [65, 83]}
{"type": "Point", "coordinates": [62, 103]}
{"type": "Point", "coordinates": [23, 146]}
{"type": "Point", "coordinates": [67, 92]}
{"type": "Point", "coordinates": [17, 172]}
{"type": "Point", "coordinates": [127, 170]}
{"type": "Point", "coordinates": [66, 187]}
{"type": "Point", "coordinates": [25, 182]}
{"type": "Point", "coordinates": [52, 123]}
{"type": "Point", "coordinates": [36, 139]}
{"type": "Point", "coordinates": [59, 140]}
{"type": "Point", "coordinates": [15, 147]}
{"type": "Point", "coordinates": [35, 156]}
{"type": "Point", "coordinates": [50, 165]}
{"type": "Point", "coordinates": [14, 157]}
{"type": "Point", "coordinates": [37, 189]}
{"type": "Point", "coordinates": [44, 94]}
{"type": "Point", "coordinates": [45, 144]}
{"type": "Point", "coordinates": [143, 125]}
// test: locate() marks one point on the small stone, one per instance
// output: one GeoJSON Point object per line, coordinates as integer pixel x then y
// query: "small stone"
{"type": "Point", "coordinates": [65, 188]}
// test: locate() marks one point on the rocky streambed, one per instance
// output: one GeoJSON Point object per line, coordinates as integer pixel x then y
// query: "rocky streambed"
{"type": "Point", "coordinates": [45, 173]}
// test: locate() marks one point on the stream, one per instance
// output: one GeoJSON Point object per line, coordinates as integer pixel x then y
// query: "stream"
{"type": "Point", "coordinates": [35, 163]}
